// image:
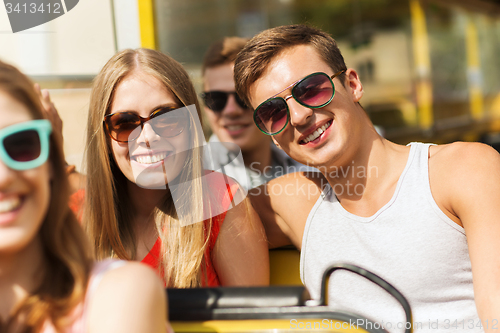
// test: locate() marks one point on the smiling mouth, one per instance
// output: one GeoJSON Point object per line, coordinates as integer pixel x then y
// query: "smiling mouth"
{"type": "Point", "coordinates": [316, 134]}
{"type": "Point", "coordinates": [235, 127]}
{"type": "Point", "coordinates": [8, 205]}
{"type": "Point", "coordinates": [150, 159]}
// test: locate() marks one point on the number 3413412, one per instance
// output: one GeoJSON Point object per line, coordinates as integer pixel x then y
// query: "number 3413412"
{"type": "Point", "coordinates": [32, 8]}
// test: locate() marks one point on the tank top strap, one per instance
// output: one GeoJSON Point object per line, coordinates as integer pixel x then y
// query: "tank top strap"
{"type": "Point", "coordinates": [422, 155]}
{"type": "Point", "coordinates": [418, 168]}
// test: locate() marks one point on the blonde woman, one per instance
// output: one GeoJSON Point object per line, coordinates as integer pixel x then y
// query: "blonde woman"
{"type": "Point", "coordinates": [143, 137]}
{"type": "Point", "coordinates": [48, 279]}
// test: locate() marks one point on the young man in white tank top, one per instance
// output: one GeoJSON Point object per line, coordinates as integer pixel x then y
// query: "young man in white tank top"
{"type": "Point", "coordinates": [425, 218]}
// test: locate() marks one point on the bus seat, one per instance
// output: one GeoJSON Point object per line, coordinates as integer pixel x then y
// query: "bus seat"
{"type": "Point", "coordinates": [275, 309]}
{"type": "Point", "coordinates": [285, 266]}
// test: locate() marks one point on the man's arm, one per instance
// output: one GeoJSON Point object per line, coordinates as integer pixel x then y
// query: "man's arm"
{"type": "Point", "coordinates": [469, 174]}
{"type": "Point", "coordinates": [283, 205]}
{"type": "Point", "coordinates": [240, 255]}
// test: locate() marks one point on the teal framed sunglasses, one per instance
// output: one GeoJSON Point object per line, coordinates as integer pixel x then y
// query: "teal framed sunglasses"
{"type": "Point", "coordinates": [314, 91]}
{"type": "Point", "coordinates": [25, 145]}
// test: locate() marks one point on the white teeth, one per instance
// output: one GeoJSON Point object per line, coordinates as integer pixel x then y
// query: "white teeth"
{"type": "Point", "coordinates": [147, 159]}
{"type": "Point", "coordinates": [10, 204]}
{"type": "Point", "coordinates": [317, 133]}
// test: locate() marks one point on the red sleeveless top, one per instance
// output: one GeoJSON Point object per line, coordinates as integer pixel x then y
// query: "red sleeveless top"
{"type": "Point", "coordinates": [153, 257]}
{"type": "Point", "coordinates": [222, 190]}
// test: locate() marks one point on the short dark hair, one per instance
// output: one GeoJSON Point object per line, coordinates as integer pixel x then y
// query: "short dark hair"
{"type": "Point", "coordinates": [255, 57]}
{"type": "Point", "coordinates": [223, 52]}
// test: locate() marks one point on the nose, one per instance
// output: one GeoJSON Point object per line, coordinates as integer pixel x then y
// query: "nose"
{"type": "Point", "coordinates": [232, 108]}
{"type": "Point", "coordinates": [148, 135]}
{"type": "Point", "coordinates": [299, 114]}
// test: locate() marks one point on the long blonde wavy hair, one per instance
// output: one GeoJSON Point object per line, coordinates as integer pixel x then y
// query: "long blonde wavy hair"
{"type": "Point", "coordinates": [108, 213]}
{"type": "Point", "coordinates": [66, 249]}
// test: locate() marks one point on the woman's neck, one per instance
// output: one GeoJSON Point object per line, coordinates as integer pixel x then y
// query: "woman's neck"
{"type": "Point", "coordinates": [20, 274]}
{"type": "Point", "coordinates": [143, 203]}
{"type": "Point", "coordinates": [144, 200]}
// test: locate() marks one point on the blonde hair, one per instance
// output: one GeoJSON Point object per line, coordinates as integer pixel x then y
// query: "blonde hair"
{"type": "Point", "coordinates": [108, 211]}
{"type": "Point", "coordinates": [66, 251]}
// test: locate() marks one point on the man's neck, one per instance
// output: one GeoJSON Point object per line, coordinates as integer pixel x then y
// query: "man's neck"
{"type": "Point", "coordinates": [258, 159]}
{"type": "Point", "coordinates": [367, 180]}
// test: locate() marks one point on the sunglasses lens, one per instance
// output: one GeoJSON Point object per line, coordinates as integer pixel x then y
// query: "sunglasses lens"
{"type": "Point", "coordinates": [168, 122]}
{"type": "Point", "coordinates": [314, 91]}
{"type": "Point", "coordinates": [122, 125]}
{"type": "Point", "coordinates": [215, 100]}
{"type": "Point", "coordinates": [23, 146]}
{"type": "Point", "coordinates": [240, 102]}
{"type": "Point", "coordinates": [271, 117]}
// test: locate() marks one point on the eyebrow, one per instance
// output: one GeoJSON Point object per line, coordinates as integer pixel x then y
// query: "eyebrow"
{"type": "Point", "coordinates": [161, 106]}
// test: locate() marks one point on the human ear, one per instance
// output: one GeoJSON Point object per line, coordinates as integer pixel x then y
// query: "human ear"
{"type": "Point", "coordinates": [354, 84]}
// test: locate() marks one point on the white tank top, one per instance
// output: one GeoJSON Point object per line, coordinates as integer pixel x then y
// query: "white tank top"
{"type": "Point", "coordinates": [409, 242]}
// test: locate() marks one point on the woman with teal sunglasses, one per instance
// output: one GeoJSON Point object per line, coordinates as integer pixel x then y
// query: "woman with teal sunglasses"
{"type": "Point", "coordinates": [48, 279]}
{"type": "Point", "coordinates": [25, 145]}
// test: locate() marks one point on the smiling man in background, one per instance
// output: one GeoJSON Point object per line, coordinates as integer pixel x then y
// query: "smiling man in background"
{"type": "Point", "coordinates": [232, 122]}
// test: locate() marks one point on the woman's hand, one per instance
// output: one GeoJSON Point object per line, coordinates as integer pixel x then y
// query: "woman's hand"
{"type": "Point", "coordinates": [50, 110]}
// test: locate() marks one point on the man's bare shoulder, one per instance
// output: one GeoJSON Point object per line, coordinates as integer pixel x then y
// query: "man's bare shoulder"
{"type": "Point", "coordinates": [295, 192]}
{"type": "Point", "coordinates": [298, 185]}
{"type": "Point", "coordinates": [462, 173]}
{"type": "Point", "coordinates": [284, 204]}
{"type": "Point", "coordinates": [464, 156]}
{"type": "Point", "coordinates": [302, 177]}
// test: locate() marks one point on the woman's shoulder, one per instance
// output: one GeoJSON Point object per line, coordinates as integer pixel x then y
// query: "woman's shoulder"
{"type": "Point", "coordinates": [128, 298]}
{"type": "Point", "coordinates": [127, 278]}
{"type": "Point", "coordinates": [115, 289]}
{"type": "Point", "coordinates": [218, 180]}
{"type": "Point", "coordinates": [222, 190]}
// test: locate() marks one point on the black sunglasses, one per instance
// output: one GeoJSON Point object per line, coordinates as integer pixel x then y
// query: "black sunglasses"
{"type": "Point", "coordinates": [217, 100]}
{"type": "Point", "coordinates": [166, 121]}
{"type": "Point", "coordinates": [313, 91]}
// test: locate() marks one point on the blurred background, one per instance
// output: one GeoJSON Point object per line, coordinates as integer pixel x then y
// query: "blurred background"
{"type": "Point", "coordinates": [430, 68]}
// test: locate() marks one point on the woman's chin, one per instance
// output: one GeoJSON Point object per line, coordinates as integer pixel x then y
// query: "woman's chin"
{"type": "Point", "coordinates": [151, 180]}
{"type": "Point", "coordinates": [155, 175]}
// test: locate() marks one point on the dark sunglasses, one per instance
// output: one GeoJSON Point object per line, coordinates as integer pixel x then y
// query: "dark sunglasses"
{"type": "Point", "coordinates": [25, 145]}
{"type": "Point", "coordinates": [217, 100]}
{"type": "Point", "coordinates": [127, 126]}
{"type": "Point", "coordinates": [313, 91]}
